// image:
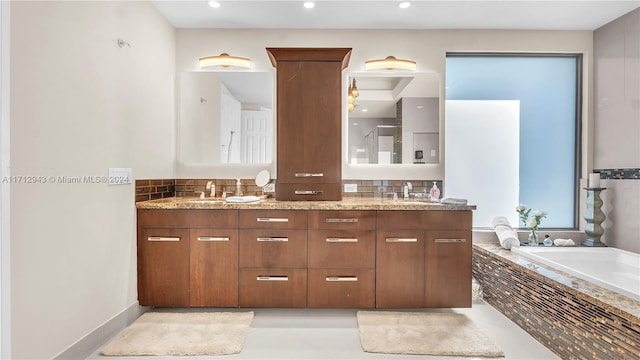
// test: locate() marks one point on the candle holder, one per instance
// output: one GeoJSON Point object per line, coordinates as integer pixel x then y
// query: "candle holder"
{"type": "Point", "coordinates": [594, 217]}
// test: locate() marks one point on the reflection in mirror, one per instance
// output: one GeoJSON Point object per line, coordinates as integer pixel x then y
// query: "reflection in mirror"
{"type": "Point", "coordinates": [226, 118]}
{"type": "Point", "coordinates": [395, 119]}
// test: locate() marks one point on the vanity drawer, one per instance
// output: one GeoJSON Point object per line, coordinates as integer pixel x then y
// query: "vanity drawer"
{"type": "Point", "coordinates": [345, 219]}
{"type": "Point", "coordinates": [273, 248]}
{"type": "Point", "coordinates": [273, 219]}
{"type": "Point", "coordinates": [341, 288]}
{"type": "Point", "coordinates": [428, 220]}
{"type": "Point", "coordinates": [163, 218]}
{"type": "Point", "coordinates": [342, 248]}
{"type": "Point", "coordinates": [273, 287]}
{"type": "Point", "coordinates": [310, 192]}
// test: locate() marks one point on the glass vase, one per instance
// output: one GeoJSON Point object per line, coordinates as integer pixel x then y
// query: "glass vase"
{"type": "Point", "coordinates": [533, 238]}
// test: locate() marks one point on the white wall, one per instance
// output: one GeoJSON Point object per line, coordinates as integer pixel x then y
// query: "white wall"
{"type": "Point", "coordinates": [79, 105]}
{"type": "Point", "coordinates": [617, 126]}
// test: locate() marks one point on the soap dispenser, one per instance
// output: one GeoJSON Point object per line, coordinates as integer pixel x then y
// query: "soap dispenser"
{"type": "Point", "coordinates": [434, 194]}
{"type": "Point", "coordinates": [238, 188]}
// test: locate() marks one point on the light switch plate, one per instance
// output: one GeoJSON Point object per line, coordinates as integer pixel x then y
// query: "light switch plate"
{"type": "Point", "coordinates": [350, 188]}
{"type": "Point", "coordinates": [120, 176]}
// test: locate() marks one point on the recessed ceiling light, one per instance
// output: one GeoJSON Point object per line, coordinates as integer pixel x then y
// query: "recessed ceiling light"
{"type": "Point", "coordinates": [365, 110]}
{"type": "Point", "coordinates": [355, 124]}
{"type": "Point", "coordinates": [404, 4]}
{"type": "Point", "coordinates": [420, 107]}
{"type": "Point", "coordinates": [214, 4]}
{"type": "Point", "coordinates": [309, 4]}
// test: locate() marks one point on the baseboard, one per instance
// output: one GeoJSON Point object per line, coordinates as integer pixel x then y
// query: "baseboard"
{"type": "Point", "coordinates": [85, 346]}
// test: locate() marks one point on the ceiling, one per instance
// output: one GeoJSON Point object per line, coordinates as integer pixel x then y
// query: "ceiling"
{"type": "Point", "coordinates": [385, 14]}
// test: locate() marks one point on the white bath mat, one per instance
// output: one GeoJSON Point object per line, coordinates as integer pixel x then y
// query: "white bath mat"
{"type": "Point", "coordinates": [423, 333]}
{"type": "Point", "coordinates": [156, 333]}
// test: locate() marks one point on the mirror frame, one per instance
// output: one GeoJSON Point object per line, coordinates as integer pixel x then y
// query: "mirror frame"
{"type": "Point", "coordinates": [390, 171]}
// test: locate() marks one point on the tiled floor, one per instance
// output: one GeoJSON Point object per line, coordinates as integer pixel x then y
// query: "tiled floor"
{"type": "Point", "coordinates": [333, 334]}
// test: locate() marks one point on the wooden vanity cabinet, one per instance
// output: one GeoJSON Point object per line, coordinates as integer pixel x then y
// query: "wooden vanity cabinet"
{"type": "Point", "coordinates": [309, 122]}
{"type": "Point", "coordinates": [188, 258]}
{"type": "Point", "coordinates": [423, 259]}
{"type": "Point", "coordinates": [273, 258]}
{"type": "Point", "coordinates": [341, 259]}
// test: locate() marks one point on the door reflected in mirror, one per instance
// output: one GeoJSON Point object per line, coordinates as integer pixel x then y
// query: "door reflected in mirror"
{"type": "Point", "coordinates": [395, 119]}
{"type": "Point", "coordinates": [226, 118]}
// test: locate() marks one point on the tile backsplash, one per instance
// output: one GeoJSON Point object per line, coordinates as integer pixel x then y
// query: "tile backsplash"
{"type": "Point", "coordinates": [152, 189]}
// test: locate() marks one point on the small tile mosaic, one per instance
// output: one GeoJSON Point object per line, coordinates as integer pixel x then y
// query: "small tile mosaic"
{"type": "Point", "coordinates": [152, 189]}
{"type": "Point", "coordinates": [555, 309]}
{"type": "Point", "coordinates": [619, 174]}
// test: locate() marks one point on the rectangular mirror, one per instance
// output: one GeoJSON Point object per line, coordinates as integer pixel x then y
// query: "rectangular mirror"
{"type": "Point", "coordinates": [395, 119]}
{"type": "Point", "coordinates": [226, 118]}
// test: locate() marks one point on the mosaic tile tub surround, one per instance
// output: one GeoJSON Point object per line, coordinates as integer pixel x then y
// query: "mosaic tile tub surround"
{"type": "Point", "coordinates": [619, 174]}
{"type": "Point", "coordinates": [572, 317]}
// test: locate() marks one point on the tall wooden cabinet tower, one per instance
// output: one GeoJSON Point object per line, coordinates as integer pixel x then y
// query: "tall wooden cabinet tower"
{"type": "Point", "coordinates": [309, 129]}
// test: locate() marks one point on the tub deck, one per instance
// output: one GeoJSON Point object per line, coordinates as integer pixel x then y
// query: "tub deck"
{"type": "Point", "coordinates": [574, 318]}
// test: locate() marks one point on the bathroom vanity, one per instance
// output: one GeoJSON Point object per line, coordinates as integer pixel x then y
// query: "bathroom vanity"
{"type": "Point", "coordinates": [354, 253]}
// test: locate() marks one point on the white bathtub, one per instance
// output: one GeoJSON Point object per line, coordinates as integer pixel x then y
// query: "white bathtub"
{"type": "Point", "coordinates": [611, 268]}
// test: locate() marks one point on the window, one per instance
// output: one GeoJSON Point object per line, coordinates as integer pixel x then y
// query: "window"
{"type": "Point", "coordinates": [547, 89]}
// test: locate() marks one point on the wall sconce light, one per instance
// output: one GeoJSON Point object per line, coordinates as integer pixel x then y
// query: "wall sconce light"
{"type": "Point", "coordinates": [352, 94]}
{"type": "Point", "coordinates": [390, 63]}
{"type": "Point", "coordinates": [225, 60]}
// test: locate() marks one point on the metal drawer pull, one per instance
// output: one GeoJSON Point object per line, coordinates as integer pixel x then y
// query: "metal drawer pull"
{"type": "Point", "coordinates": [341, 278]}
{"type": "Point", "coordinates": [399, 240]}
{"type": "Point", "coordinates": [309, 175]}
{"type": "Point", "coordinates": [450, 240]}
{"type": "Point", "coordinates": [281, 239]}
{"type": "Point", "coordinates": [329, 220]}
{"type": "Point", "coordinates": [342, 240]}
{"type": "Point", "coordinates": [309, 192]}
{"type": "Point", "coordinates": [272, 219]}
{"type": "Point", "coordinates": [272, 278]}
{"type": "Point", "coordinates": [162, 238]}
{"type": "Point", "coordinates": [213, 238]}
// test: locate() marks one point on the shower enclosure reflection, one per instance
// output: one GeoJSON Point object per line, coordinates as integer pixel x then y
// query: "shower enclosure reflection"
{"type": "Point", "coordinates": [226, 118]}
{"type": "Point", "coordinates": [395, 119]}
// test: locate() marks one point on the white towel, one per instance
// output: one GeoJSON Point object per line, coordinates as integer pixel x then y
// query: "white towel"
{"type": "Point", "coordinates": [454, 201]}
{"type": "Point", "coordinates": [506, 235]}
{"type": "Point", "coordinates": [500, 220]}
{"type": "Point", "coordinates": [564, 242]}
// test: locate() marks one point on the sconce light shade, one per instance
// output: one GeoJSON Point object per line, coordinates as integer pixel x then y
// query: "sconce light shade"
{"type": "Point", "coordinates": [225, 60]}
{"type": "Point", "coordinates": [390, 63]}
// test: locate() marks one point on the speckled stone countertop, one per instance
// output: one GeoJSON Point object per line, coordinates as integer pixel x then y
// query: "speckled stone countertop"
{"type": "Point", "coordinates": [345, 204]}
{"type": "Point", "coordinates": [611, 299]}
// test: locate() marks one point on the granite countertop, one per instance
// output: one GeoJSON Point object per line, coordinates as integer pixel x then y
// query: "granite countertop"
{"type": "Point", "coordinates": [345, 204]}
{"type": "Point", "coordinates": [614, 301]}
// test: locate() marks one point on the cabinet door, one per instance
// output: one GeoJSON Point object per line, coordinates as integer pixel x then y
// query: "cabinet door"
{"type": "Point", "coordinates": [448, 272]}
{"type": "Point", "coordinates": [214, 268]}
{"type": "Point", "coordinates": [163, 267]}
{"type": "Point", "coordinates": [309, 121]}
{"type": "Point", "coordinates": [400, 269]}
